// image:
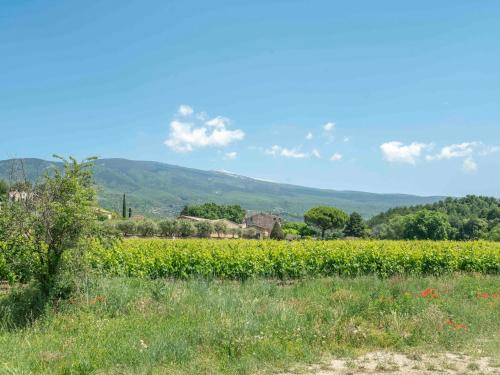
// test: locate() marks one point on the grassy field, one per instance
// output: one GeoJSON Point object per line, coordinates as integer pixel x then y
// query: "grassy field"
{"type": "Point", "coordinates": [139, 326]}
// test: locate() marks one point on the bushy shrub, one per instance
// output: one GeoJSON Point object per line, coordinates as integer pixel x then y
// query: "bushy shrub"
{"type": "Point", "coordinates": [127, 227]}
{"type": "Point", "coordinates": [168, 228]}
{"type": "Point", "coordinates": [147, 228]}
{"type": "Point", "coordinates": [204, 229]}
{"type": "Point", "coordinates": [186, 228]}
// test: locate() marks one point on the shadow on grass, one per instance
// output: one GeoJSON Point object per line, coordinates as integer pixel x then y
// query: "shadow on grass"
{"type": "Point", "coordinates": [21, 307]}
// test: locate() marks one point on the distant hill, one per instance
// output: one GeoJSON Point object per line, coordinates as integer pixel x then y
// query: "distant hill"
{"type": "Point", "coordinates": [158, 189]}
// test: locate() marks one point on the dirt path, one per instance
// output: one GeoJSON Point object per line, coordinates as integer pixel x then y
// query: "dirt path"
{"type": "Point", "coordinates": [404, 364]}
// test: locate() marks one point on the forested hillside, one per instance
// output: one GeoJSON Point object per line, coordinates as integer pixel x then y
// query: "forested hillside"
{"type": "Point", "coordinates": [157, 189]}
{"type": "Point", "coordinates": [468, 218]}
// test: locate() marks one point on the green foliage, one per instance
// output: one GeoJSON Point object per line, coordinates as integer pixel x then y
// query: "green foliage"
{"type": "Point", "coordinates": [471, 217]}
{"type": "Point", "coordinates": [124, 207]}
{"type": "Point", "coordinates": [295, 228]}
{"type": "Point", "coordinates": [325, 218]}
{"type": "Point", "coordinates": [168, 228]}
{"type": "Point", "coordinates": [220, 228]}
{"type": "Point", "coordinates": [242, 259]}
{"type": "Point", "coordinates": [186, 228]}
{"type": "Point", "coordinates": [4, 188]}
{"type": "Point", "coordinates": [147, 228]}
{"type": "Point", "coordinates": [474, 229]}
{"type": "Point", "coordinates": [249, 233]}
{"type": "Point", "coordinates": [356, 226]}
{"type": "Point", "coordinates": [126, 227]}
{"type": "Point", "coordinates": [277, 232]}
{"type": "Point", "coordinates": [426, 225]}
{"type": "Point", "coordinates": [214, 211]}
{"type": "Point", "coordinates": [55, 222]}
{"type": "Point", "coordinates": [204, 229]}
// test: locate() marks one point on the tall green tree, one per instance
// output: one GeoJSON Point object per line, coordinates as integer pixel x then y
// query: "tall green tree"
{"type": "Point", "coordinates": [4, 189]}
{"type": "Point", "coordinates": [474, 229]}
{"type": "Point", "coordinates": [326, 218]}
{"type": "Point", "coordinates": [356, 226]}
{"type": "Point", "coordinates": [277, 232]}
{"type": "Point", "coordinates": [426, 225]}
{"type": "Point", "coordinates": [124, 207]}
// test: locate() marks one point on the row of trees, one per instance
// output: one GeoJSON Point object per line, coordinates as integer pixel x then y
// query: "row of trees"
{"type": "Point", "coordinates": [327, 222]}
{"type": "Point", "coordinates": [179, 228]}
{"type": "Point", "coordinates": [213, 211]}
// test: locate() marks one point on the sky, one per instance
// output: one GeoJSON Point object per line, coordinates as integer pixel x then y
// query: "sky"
{"type": "Point", "coordinates": [380, 96]}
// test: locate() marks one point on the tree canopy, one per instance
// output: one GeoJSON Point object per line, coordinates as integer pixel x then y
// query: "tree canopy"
{"type": "Point", "coordinates": [215, 211]}
{"type": "Point", "coordinates": [325, 218]}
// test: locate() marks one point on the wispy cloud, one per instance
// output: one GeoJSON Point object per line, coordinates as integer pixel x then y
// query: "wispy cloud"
{"type": "Point", "coordinates": [285, 152]}
{"type": "Point", "coordinates": [398, 152]}
{"type": "Point", "coordinates": [329, 126]}
{"type": "Point", "coordinates": [316, 154]}
{"type": "Point", "coordinates": [230, 155]}
{"type": "Point", "coordinates": [185, 136]}
{"type": "Point", "coordinates": [185, 110]}
{"type": "Point", "coordinates": [454, 151]}
{"type": "Point", "coordinates": [469, 165]}
{"type": "Point", "coordinates": [336, 157]}
{"type": "Point", "coordinates": [309, 136]}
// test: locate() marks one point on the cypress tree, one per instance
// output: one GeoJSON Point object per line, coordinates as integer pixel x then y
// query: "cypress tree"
{"type": "Point", "coordinates": [356, 226]}
{"type": "Point", "coordinates": [124, 207]}
{"type": "Point", "coordinates": [277, 232]}
{"type": "Point", "coordinates": [129, 212]}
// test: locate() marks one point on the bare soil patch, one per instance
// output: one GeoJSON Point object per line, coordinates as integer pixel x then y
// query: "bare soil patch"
{"type": "Point", "coordinates": [385, 363]}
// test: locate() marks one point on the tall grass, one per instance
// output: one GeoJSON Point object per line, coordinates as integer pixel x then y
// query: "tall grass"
{"type": "Point", "coordinates": [137, 326]}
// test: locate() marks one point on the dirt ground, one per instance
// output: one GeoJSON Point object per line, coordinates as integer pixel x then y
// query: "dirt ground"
{"type": "Point", "coordinates": [404, 364]}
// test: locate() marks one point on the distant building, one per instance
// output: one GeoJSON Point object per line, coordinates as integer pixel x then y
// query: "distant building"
{"type": "Point", "coordinates": [263, 223]}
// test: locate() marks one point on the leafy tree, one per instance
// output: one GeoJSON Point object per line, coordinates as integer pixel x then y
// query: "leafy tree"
{"type": "Point", "coordinates": [4, 189]}
{"type": "Point", "coordinates": [426, 225]}
{"type": "Point", "coordinates": [126, 227]}
{"type": "Point", "coordinates": [494, 233]}
{"type": "Point", "coordinates": [214, 211]}
{"type": "Point", "coordinates": [57, 221]}
{"type": "Point", "coordinates": [220, 228]}
{"type": "Point", "coordinates": [147, 228]}
{"type": "Point", "coordinates": [168, 228]}
{"type": "Point", "coordinates": [356, 226]}
{"type": "Point", "coordinates": [474, 229]}
{"type": "Point", "coordinates": [204, 229]}
{"type": "Point", "coordinates": [325, 218]}
{"type": "Point", "coordinates": [277, 232]}
{"type": "Point", "coordinates": [186, 228]}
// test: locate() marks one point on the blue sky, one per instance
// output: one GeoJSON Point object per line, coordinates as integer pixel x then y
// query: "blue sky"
{"type": "Point", "coordinates": [381, 96]}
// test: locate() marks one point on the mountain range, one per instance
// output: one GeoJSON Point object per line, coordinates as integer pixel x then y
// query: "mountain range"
{"type": "Point", "coordinates": [157, 189]}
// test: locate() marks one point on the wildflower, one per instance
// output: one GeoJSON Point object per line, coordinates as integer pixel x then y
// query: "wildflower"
{"type": "Point", "coordinates": [143, 345]}
{"type": "Point", "coordinates": [455, 325]}
{"type": "Point", "coordinates": [429, 293]}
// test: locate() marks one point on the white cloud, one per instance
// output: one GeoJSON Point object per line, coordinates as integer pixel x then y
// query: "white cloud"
{"type": "Point", "coordinates": [218, 122]}
{"type": "Point", "coordinates": [347, 139]}
{"type": "Point", "coordinates": [316, 153]}
{"type": "Point", "coordinates": [460, 150]}
{"type": "Point", "coordinates": [398, 152]}
{"type": "Point", "coordinates": [329, 126]}
{"type": "Point", "coordinates": [336, 157]}
{"type": "Point", "coordinates": [185, 110]}
{"type": "Point", "coordinates": [230, 155]}
{"type": "Point", "coordinates": [469, 165]}
{"type": "Point", "coordinates": [489, 150]}
{"type": "Point", "coordinates": [186, 136]}
{"type": "Point", "coordinates": [309, 136]}
{"type": "Point", "coordinates": [285, 152]}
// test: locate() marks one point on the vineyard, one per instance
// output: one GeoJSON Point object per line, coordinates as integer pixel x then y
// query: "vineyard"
{"type": "Point", "coordinates": [243, 259]}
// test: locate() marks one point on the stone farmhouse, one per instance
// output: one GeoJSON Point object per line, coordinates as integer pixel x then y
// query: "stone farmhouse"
{"type": "Point", "coordinates": [263, 223]}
